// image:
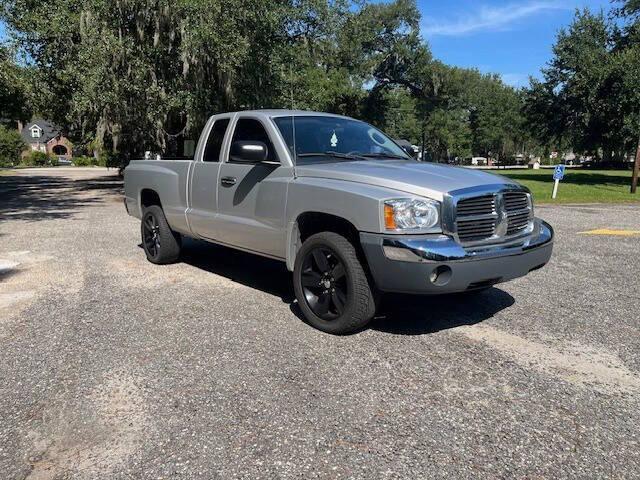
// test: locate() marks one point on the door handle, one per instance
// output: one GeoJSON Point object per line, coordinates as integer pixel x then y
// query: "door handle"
{"type": "Point", "coordinates": [228, 181]}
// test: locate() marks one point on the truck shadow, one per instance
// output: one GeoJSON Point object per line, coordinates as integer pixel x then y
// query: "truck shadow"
{"type": "Point", "coordinates": [420, 315]}
{"type": "Point", "coordinates": [253, 271]}
{"type": "Point", "coordinates": [398, 315]}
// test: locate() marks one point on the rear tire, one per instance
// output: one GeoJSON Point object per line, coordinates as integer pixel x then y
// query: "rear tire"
{"type": "Point", "coordinates": [161, 244]}
{"type": "Point", "coordinates": [331, 285]}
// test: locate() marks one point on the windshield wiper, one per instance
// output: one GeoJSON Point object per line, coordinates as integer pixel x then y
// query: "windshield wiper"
{"type": "Point", "coordinates": [383, 155]}
{"type": "Point", "coordinates": [345, 156]}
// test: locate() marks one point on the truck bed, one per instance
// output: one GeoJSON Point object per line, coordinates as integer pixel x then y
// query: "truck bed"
{"type": "Point", "coordinates": [168, 176]}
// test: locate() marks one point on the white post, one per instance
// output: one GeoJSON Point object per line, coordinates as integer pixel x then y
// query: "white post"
{"type": "Point", "coordinates": [555, 189]}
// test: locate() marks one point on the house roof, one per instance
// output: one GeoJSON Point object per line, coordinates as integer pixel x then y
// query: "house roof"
{"type": "Point", "coordinates": [49, 131]}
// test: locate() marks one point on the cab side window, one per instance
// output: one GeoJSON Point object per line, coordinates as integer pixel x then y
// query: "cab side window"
{"type": "Point", "coordinates": [214, 142]}
{"type": "Point", "coordinates": [250, 130]}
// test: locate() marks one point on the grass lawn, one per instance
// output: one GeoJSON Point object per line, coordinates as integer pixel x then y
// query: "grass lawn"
{"type": "Point", "coordinates": [578, 186]}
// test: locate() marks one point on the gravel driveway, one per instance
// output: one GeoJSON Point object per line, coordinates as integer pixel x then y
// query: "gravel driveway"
{"type": "Point", "coordinates": [112, 367]}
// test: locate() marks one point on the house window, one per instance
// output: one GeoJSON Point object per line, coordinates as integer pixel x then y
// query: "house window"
{"type": "Point", "coordinates": [35, 132]}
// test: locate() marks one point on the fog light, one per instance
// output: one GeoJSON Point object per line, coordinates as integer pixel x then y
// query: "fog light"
{"type": "Point", "coordinates": [440, 276]}
{"type": "Point", "coordinates": [400, 254]}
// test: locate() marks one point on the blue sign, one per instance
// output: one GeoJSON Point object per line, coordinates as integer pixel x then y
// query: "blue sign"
{"type": "Point", "coordinates": [558, 173]}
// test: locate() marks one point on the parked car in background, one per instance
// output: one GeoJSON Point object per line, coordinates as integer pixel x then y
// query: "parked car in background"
{"type": "Point", "coordinates": [347, 210]}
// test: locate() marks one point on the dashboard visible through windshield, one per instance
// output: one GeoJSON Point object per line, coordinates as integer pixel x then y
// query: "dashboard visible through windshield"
{"type": "Point", "coordinates": [314, 139]}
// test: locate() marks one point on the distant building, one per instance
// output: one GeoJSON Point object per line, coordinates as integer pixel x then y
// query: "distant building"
{"type": "Point", "coordinates": [42, 136]}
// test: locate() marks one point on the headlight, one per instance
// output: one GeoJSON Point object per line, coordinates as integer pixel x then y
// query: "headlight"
{"type": "Point", "coordinates": [411, 214]}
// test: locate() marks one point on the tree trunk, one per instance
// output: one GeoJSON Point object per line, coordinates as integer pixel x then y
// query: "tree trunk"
{"type": "Point", "coordinates": [636, 170]}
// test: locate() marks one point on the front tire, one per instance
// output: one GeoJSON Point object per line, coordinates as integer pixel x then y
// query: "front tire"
{"type": "Point", "coordinates": [331, 285]}
{"type": "Point", "coordinates": [161, 244]}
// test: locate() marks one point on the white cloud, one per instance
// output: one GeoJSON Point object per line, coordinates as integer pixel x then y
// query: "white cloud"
{"type": "Point", "coordinates": [515, 79]}
{"type": "Point", "coordinates": [491, 18]}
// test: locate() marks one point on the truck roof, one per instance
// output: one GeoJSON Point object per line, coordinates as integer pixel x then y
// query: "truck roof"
{"type": "Point", "coordinates": [275, 112]}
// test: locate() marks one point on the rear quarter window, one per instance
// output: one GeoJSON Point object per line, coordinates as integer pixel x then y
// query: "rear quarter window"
{"type": "Point", "coordinates": [214, 142]}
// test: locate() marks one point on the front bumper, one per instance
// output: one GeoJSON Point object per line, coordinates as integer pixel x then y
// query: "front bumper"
{"type": "Point", "coordinates": [436, 264]}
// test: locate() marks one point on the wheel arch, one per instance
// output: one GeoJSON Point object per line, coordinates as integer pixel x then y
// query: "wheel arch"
{"type": "Point", "coordinates": [312, 222]}
{"type": "Point", "coordinates": [149, 197]}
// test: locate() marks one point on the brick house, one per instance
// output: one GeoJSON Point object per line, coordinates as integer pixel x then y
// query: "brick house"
{"type": "Point", "coordinates": [41, 135]}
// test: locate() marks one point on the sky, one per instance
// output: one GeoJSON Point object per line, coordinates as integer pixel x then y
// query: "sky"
{"type": "Point", "coordinates": [510, 37]}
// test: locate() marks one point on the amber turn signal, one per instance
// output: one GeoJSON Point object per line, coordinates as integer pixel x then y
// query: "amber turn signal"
{"type": "Point", "coordinates": [389, 219]}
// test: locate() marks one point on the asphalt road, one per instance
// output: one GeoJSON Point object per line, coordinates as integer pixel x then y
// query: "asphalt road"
{"type": "Point", "coordinates": [111, 367]}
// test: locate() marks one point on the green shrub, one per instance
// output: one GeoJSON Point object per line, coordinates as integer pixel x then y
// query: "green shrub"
{"type": "Point", "coordinates": [103, 160]}
{"type": "Point", "coordinates": [36, 158]}
{"type": "Point", "coordinates": [84, 161]}
{"type": "Point", "coordinates": [108, 160]}
{"type": "Point", "coordinates": [11, 146]}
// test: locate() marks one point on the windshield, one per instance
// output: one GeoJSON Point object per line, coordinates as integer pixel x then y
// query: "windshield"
{"type": "Point", "coordinates": [333, 139]}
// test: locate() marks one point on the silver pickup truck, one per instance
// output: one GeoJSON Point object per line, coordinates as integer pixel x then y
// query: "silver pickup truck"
{"type": "Point", "coordinates": [350, 213]}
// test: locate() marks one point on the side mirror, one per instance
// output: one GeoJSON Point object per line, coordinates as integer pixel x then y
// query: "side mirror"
{"type": "Point", "coordinates": [409, 150]}
{"type": "Point", "coordinates": [248, 152]}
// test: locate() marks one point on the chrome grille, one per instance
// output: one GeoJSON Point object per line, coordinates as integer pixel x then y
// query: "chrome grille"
{"type": "Point", "coordinates": [518, 212]}
{"type": "Point", "coordinates": [492, 216]}
{"type": "Point", "coordinates": [473, 230]}
{"type": "Point", "coordinates": [518, 223]}
{"type": "Point", "coordinates": [476, 218]}
{"type": "Point", "coordinates": [514, 201]}
{"type": "Point", "coordinates": [485, 205]}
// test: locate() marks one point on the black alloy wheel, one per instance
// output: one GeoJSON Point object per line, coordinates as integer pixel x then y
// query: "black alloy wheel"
{"type": "Point", "coordinates": [324, 282]}
{"type": "Point", "coordinates": [331, 285]}
{"type": "Point", "coordinates": [161, 244]}
{"type": "Point", "coordinates": [151, 234]}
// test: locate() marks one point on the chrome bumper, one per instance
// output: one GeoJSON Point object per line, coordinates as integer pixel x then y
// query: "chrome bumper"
{"type": "Point", "coordinates": [407, 264]}
{"type": "Point", "coordinates": [444, 249]}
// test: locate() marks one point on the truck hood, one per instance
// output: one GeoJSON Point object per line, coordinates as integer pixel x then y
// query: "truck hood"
{"type": "Point", "coordinates": [424, 179]}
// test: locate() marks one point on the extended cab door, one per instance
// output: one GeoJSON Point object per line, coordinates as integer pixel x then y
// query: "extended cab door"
{"type": "Point", "coordinates": [252, 197]}
{"type": "Point", "coordinates": [204, 178]}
